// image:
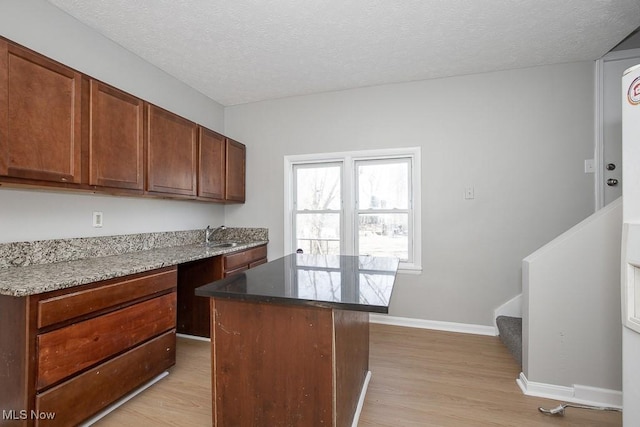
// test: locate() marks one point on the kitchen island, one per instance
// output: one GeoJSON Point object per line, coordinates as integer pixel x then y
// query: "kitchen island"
{"type": "Point", "coordinates": [290, 339]}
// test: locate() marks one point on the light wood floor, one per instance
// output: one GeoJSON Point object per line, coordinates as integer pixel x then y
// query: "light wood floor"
{"type": "Point", "coordinates": [420, 378]}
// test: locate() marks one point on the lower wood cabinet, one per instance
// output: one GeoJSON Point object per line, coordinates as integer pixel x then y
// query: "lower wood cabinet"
{"type": "Point", "coordinates": [87, 392]}
{"type": "Point", "coordinates": [194, 311]}
{"type": "Point", "coordinates": [73, 352]}
{"type": "Point", "coordinates": [238, 262]}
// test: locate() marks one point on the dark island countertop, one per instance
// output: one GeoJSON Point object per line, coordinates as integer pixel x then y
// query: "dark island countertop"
{"type": "Point", "coordinates": [345, 282]}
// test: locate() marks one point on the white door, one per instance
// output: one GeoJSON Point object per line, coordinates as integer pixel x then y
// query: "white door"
{"type": "Point", "coordinates": [609, 175]}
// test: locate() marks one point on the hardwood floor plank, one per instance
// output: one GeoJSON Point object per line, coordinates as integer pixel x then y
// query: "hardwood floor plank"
{"type": "Point", "coordinates": [181, 399]}
{"type": "Point", "coordinates": [420, 378]}
{"type": "Point", "coordinates": [433, 378]}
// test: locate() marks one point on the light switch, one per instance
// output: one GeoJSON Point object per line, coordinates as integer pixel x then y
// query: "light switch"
{"type": "Point", "coordinates": [589, 166]}
{"type": "Point", "coordinates": [469, 193]}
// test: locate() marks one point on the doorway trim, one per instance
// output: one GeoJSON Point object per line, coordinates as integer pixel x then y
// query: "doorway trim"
{"type": "Point", "coordinates": [599, 119]}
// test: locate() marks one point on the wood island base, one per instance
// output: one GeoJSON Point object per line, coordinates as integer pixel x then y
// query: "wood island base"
{"type": "Point", "coordinates": [286, 365]}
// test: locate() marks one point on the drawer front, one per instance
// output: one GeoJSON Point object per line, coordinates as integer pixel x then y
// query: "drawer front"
{"type": "Point", "coordinates": [233, 261]}
{"type": "Point", "coordinates": [71, 349]}
{"type": "Point", "coordinates": [81, 397]}
{"type": "Point", "coordinates": [258, 262]}
{"type": "Point", "coordinates": [82, 302]}
{"type": "Point", "coordinates": [236, 271]}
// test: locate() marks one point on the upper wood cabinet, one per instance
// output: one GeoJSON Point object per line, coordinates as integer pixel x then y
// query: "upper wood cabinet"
{"type": "Point", "coordinates": [40, 113]}
{"type": "Point", "coordinates": [221, 168]}
{"type": "Point", "coordinates": [235, 173]}
{"type": "Point", "coordinates": [211, 164]}
{"type": "Point", "coordinates": [61, 128]}
{"type": "Point", "coordinates": [171, 153]}
{"type": "Point", "coordinates": [116, 142]}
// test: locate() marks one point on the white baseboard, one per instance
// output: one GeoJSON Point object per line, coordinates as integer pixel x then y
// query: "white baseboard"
{"type": "Point", "coordinates": [580, 394]}
{"type": "Point", "coordinates": [465, 328]}
{"type": "Point", "coordinates": [363, 393]}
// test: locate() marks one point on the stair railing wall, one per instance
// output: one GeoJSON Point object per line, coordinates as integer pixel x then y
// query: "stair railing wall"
{"type": "Point", "coordinates": [571, 333]}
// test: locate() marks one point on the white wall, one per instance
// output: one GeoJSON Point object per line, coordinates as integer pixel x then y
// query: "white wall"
{"type": "Point", "coordinates": [42, 215]}
{"type": "Point", "coordinates": [571, 303]}
{"type": "Point", "coordinates": [30, 215]}
{"type": "Point", "coordinates": [519, 137]}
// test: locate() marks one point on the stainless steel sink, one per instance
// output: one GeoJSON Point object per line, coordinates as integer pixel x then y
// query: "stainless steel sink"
{"type": "Point", "coordinates": [221, 244]}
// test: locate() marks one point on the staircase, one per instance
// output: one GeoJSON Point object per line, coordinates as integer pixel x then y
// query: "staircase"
{"type": "Point", "coordinates": [510, 332]}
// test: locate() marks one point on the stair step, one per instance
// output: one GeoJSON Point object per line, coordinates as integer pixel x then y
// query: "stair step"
{"type": "Point", "coordinates": [510, 331]}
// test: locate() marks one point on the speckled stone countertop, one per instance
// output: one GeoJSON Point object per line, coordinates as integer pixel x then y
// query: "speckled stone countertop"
{"type": "Point", "coordinates": [34, 278]}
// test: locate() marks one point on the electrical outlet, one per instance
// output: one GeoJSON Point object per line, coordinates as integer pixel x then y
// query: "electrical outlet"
{"type": "Point", "coordinates": [97, 219]}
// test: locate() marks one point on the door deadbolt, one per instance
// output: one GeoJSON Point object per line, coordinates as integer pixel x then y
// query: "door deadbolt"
{"type": "Point", "coordinates": [612, 182]}
{"type": "Point", "coordinates": [611, 167]}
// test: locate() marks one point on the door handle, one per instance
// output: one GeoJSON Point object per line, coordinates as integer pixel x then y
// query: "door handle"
{"type": "Point", "coordinates": [612, 182]}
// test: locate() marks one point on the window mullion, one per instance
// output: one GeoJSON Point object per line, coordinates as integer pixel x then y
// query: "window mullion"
{"type": "Point", "coordinates": [382, 211]}
{"type": "Point", "coordinates": [348, 207]}
{"type": "Point", "coordinates": [313, 211]}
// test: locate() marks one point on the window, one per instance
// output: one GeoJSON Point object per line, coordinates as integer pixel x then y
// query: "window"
{"type": "Point", "coordinates": [318, 200]}
{"type": "Point", "coordinates": [358, 203]}
{"type": "Point", "coordinates": [382, 208]}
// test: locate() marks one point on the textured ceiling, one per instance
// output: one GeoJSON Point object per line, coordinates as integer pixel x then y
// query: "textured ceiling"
{"type": "Point", "coordinates": [243, 51]}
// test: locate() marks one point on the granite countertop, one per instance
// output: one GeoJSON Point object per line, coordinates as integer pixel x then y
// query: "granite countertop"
{"type": "Point", "coordinates": [39, 278]}
{"type": "Point", "coordinates": [358, 283]}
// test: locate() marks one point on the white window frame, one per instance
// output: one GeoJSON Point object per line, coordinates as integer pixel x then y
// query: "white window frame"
{"type": "Point", "coordinates": [408, 210]}
{"type": "Point", "coordinates": [348, 204]}
{"type": "Point", "coordinates": [294, 207]}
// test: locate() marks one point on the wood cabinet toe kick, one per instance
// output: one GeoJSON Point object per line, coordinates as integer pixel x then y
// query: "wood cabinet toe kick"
{"type": "Point", "coordinates": [71, 353]}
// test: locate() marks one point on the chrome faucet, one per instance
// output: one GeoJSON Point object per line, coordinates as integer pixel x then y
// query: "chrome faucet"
{"type": "Point", "coordinates": [208, 233]}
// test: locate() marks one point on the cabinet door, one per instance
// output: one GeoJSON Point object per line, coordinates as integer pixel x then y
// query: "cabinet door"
{"type": "Point", "coordinates": [211, 170]}
{"type": "Point", "coordinates": [40, 109]}
{"type": "Point", "coordinates": [235, 180]}
{"type": "Point", "coordinates": [116, 143]}
{"type": "Point", "coordinates": [171, 153]}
